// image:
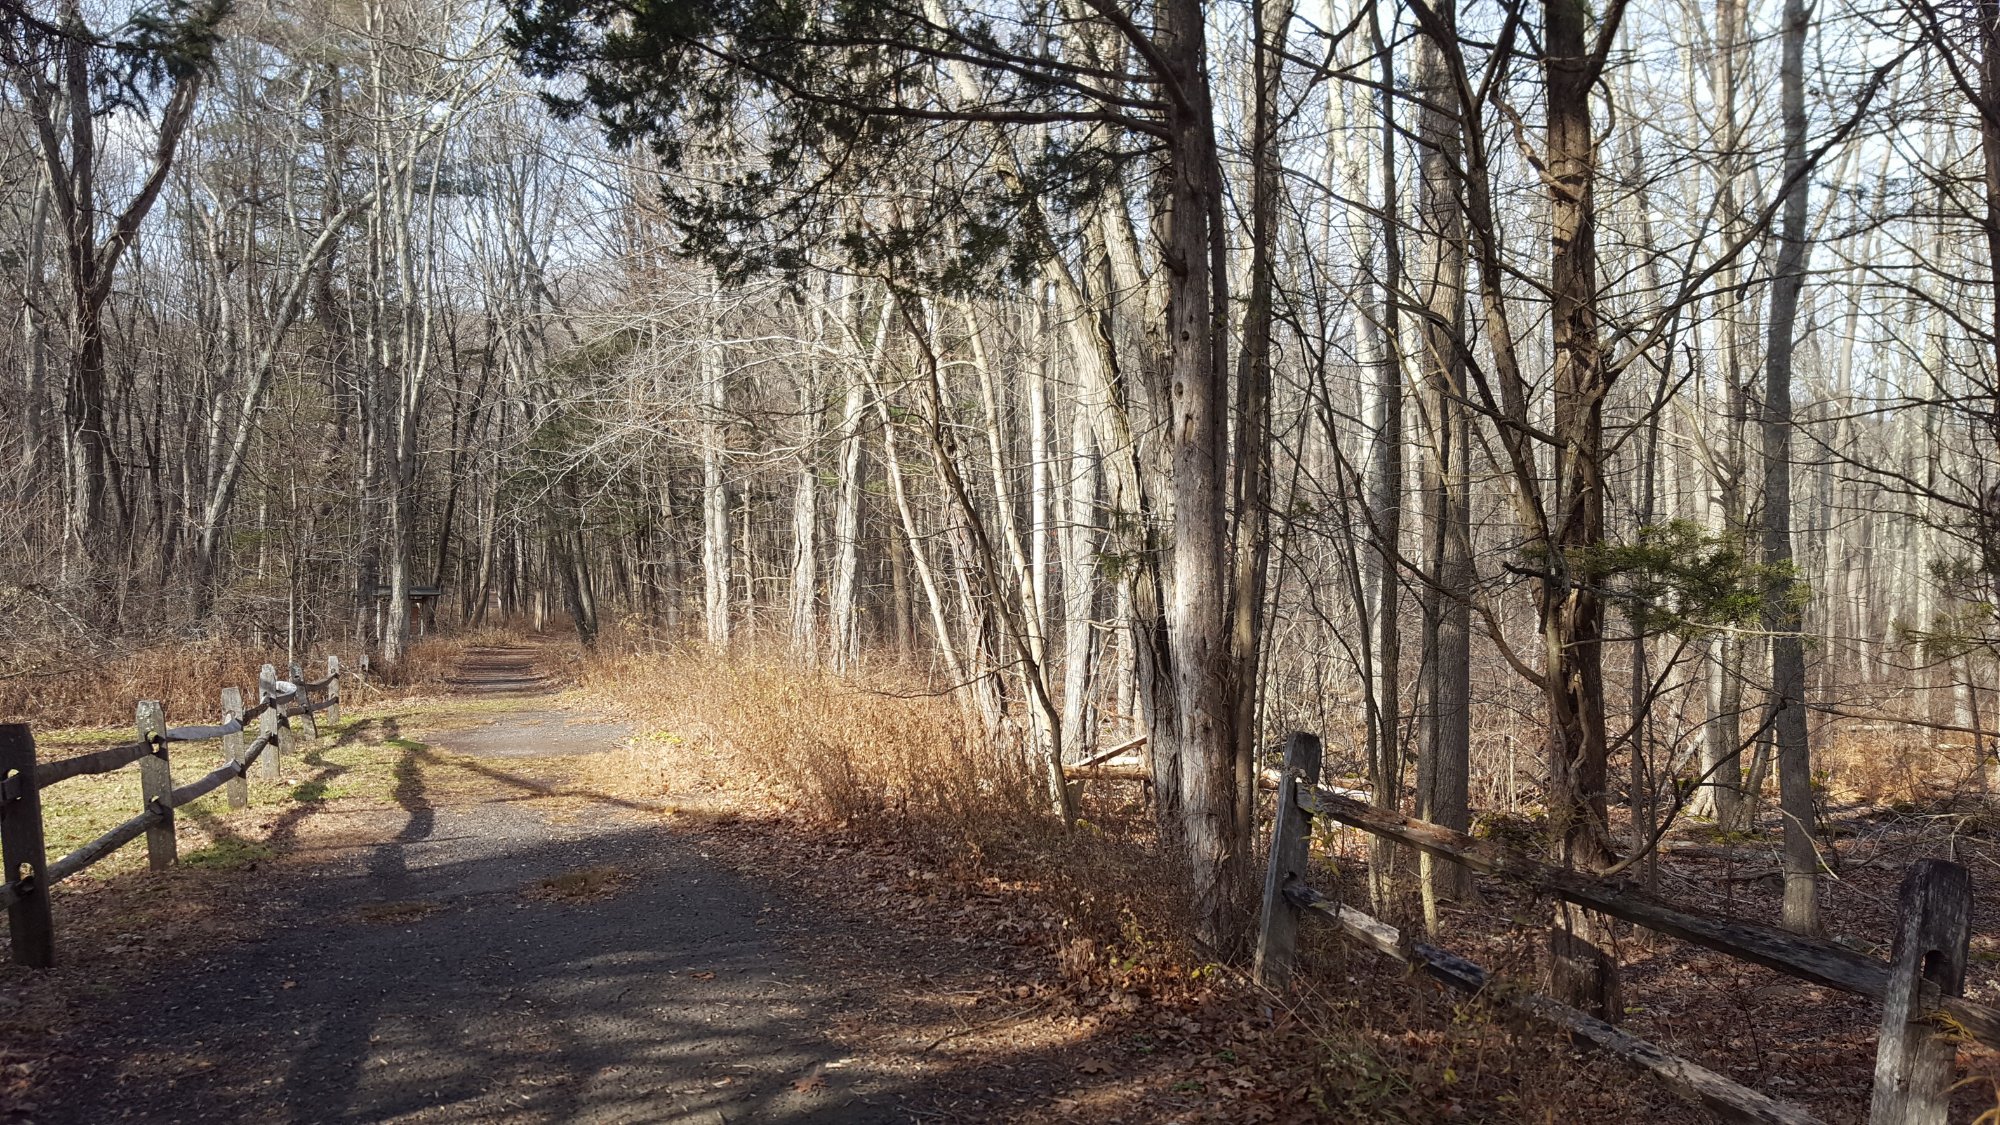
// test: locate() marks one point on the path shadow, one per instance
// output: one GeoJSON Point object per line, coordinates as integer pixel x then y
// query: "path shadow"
{"type": "Point", "coordinates": [667, 1001]}
{"type": "Point", "coordinates": [535, 787]}
{"type": "Point", "coordinates": [387, 863]}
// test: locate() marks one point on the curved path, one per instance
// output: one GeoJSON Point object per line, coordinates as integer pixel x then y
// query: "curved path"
{"type": "Point", "coordinates": [469, 967]}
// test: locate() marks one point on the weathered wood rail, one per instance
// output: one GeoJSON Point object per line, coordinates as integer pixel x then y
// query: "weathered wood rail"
{"type": "Point", "coordinates": [1924, 1012]}
{"type": "Point", "coordinates": [28, 873]}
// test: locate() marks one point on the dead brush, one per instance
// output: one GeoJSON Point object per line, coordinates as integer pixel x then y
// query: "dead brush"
{"type": "Point", "coordinates": [895, 754]}
{"type": "Point", "coordinates": [899, 761]}
{"type": "Point", "coordinates": [1881, 767]}
{"type": "Point", "coordinates": [187, 676]}
{"type": "Point", "coordinates": [905, 766]}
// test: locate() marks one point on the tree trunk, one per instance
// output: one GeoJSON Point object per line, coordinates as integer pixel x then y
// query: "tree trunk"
{"type": "Point", "coordinates": [32, 451]}
{"type": "Point", "coordinates": [1572, 618]}
{"type": "Point", "coordinates": [1270, 20]}
{"type": "Point", "coordinates": [1783, 614]}
{"type": "Point", "coordinates": [805, 499]}
{"type": "Point", "coordinates": [1444, 763]}
{"type": "Point", "coordinates": [955, 665]}
{"type": "Point", "coordinates": [1385, 504]}
{"type": "Point", "coordinates": [1721, 796]}
{"type": "Point", "coordinates": [716, 549]}
{"type": "Point", "coordinates": [1197, 725]}
{"type": "Point", "coordinates": [805, 564]}
{"type": "Point", "coordinates": [1079, 590]}
{"type": "Point", "coordinates": [843, 596]}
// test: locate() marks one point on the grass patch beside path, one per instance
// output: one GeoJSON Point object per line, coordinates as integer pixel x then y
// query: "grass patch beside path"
{"type": "Point", "coordinates": [375, 758]}
{"type": "Point", "coordinates": [228, 854]}
{"type": "Point", "coordinates": [345, 762]}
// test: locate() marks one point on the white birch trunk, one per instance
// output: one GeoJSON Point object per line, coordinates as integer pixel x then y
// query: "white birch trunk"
{"type": "Point", "coordinates": [716, 549]}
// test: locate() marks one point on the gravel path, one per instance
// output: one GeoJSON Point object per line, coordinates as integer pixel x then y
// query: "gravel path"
{"type": "Point", "coordinates": [434, 977]}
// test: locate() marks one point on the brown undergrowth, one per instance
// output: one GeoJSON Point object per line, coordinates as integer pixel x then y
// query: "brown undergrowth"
{"type": "Point", "coordinates": [876, 781]}
{"type": "Point", "coordinates": [86, 689]}
{"type": "Point", "coordinates": [885, 755]}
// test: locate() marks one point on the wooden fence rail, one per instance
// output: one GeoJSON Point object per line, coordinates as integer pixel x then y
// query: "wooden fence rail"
{"type": "Point", "coordinates": [1924, 1014]}
{"type": "Point", "coordinates": [28, 873]}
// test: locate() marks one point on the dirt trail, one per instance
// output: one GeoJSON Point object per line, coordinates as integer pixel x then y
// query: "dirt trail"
{"type": "Point", "coordinates": [529, 731]}
{"type": "Point", "coordinates": [499, 670]}
{"type": "Point", "coordinates": [497, 959]}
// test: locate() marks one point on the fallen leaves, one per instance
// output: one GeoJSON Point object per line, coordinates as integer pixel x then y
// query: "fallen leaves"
{"type": "Point", "coordinates": [582, 885]}
{"type": "Point", "coordinates": [392, 913]}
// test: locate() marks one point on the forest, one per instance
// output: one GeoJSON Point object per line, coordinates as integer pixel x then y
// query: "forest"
{"type": "Point", "coordinates": [1583, 416]}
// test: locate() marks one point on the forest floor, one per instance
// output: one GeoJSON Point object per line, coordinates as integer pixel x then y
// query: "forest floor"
{"type": "Point", "coordinates": [497, 905]}
{"type": "Point", "coordinates": [1798, 1042]}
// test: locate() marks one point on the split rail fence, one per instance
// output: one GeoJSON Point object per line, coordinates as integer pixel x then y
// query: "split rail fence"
{"type": "Point", "coordinates": [1925, 1014]}
{"type": "Point", "coordinates": [28, 874]}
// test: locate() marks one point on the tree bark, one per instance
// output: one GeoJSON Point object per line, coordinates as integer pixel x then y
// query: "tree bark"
{"type": "Point", "coordinates": [716, 549]}
{"type": "Point", "coordinates": [843, 610]}
{"type": "Point", "coordinates": [1572, 617]}
{"type": "Point", "coordinates": [1270, 20]}
{"type": "Point", "coordinates": [1444, 764]}
{"type": "Point", "coordinates": [1385, 502]}
{"type": "Point", "coordinates": [1197, 723]}
{"type": "Point", "coordinates": [1783, 615]}
{"type": "Point", "coordinates": [1721, 796]}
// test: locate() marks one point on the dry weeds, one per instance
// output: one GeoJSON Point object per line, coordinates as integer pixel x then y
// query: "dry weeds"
{"type": "Point", "coordinates": [187, 676]}
{"type": "Point", "coordinates": [892, 752]}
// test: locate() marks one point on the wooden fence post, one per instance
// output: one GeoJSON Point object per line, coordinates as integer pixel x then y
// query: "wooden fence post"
{"type": "Point", "coordinates": [1291, 848]}
{"type": "Point", "coordinates": [238, 789]}
{"type": "Point", "coordinates": [22, 849]}
{"type": "Point", "coordinates": [332, 688]}
{"type": "Point", "coordinates": [1913, 1059]}
{"type": "Point", "coordinates": [156, 785]}
{"type": "Point", "coordinates": [267, 689]}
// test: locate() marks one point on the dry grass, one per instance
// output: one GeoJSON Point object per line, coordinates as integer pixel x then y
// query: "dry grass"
{"type": "Point", "coordinates": [894, 753]}
{"type": "Point", "coordinates": [894, 760]}
{"type": "Point", "coordinates": [187, 676]}
{"type": "Point", "coordinates": [1883, 764]}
